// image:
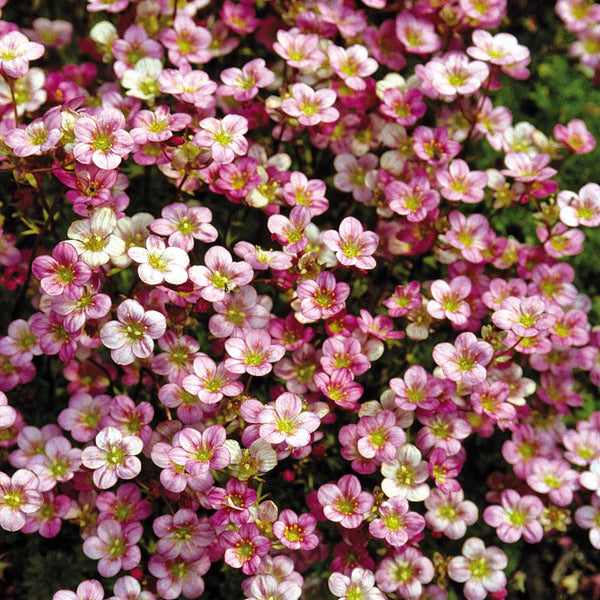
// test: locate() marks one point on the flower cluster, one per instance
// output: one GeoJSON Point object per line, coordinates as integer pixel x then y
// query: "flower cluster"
{"type": "Point", "coordinates": [284, 300]}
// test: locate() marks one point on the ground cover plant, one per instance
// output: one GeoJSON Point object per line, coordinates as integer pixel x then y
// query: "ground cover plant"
{"type": "Point", "coordinates": [300, 300]}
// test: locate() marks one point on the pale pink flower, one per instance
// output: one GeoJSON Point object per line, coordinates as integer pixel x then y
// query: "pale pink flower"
{"type": "Point", "coordinates": [464, 361]}
{"type": "Point", "coordinates": [469, 235]}
{"type": "Point", "coordinates": [406, 475]}
{"type": "Point", "coordinates": [102, 139]}
{"type": "Point", "coordinates": [516, 516]}
{"type": "Point", "coordinates": [243, 84]}
{"type": "Point", "coordinates": [582, 208]}
{"type": "Point", "coordinates": [416, 390]}
{"type": "Point", "coordinates": [352, 244]}
{"type": "Point", "coordinates": [310, 107]}
{"type": "Point", "coordinates": [352, 64]}
{"type": "Point", "coordinates": [91, 589]}
{"type": "Point", "coordinates": [113, 457]}
{"type": "Point", "coordinates": [299, 50]}
{"type": "Point", "coordinates": [414, 200]}
{"type": "Point", "coordinates": [62, 271]}
{"type": "Point", "coordinates": [525, 168]}
{"type": "Point", "coordinates": [553, 477]}
{"type": "Point", "coordinates": [452, 75]}
{"type": "Point", "coordinates": [286, 422]}
{"type": "Point", "coordinates": [479, 568]}
{"type": "Point", "coordinates": [450, 300]}
{"type": "Point", "coordinates": [344, 502]}
{"type": "Point", "coordinates": [322, 297]}
{"type": "Point", "coordinates": [186, 42]}
{"type": "Point", "coordinates": [406, 108]}
{"type": "Point", "coordinates": [158, 263]}
{"type": "Point", "coordinates": [310, 193]}
{"type": "Point", "coordinates": [19, 497]}
{"type": "Point", "coordinates": [240, 18]}
{"type": "Point", "coordinates": [360, 584]}
{"type": "Point", "coordinates": [396, 523]}
{"type": "Point", "coordinates": [525, 317]}
{"type": "Point", "coordinates": [134, 46]}
{"type": "Point", "coordinates": [502, 49]}
{"type": "Point", "coordinates": [252, 354]}
{"type": "Point", "coordinates": [405, 572]}
{"type": "Point", "coordinates": [220, 275]}
{"type": "Point", "coordinates": [459, 184]}
{"type": "Point", "coordinates": [244, 548]}
{"type": "Point", "coordinates": [224, 137]}
{"type": "Point", "coordinates": [115, 545]}
{"type": "Point", "coordinates": [131, 337]}
{"type": "Point", "coordinates": [588, 517]}
{"type": "Point", "coordinates": [177, 577]}
{"type": "Point", "coordinates": [449, 513]}
{"type": "Point", "coordinates": [561, 241]}
{"type": "Point", "coordinates": [191, 86]}
{"type": "Point", "coordinates": [575, 136]}
{"type": "Point", "coordinates": [198, 452]}
{"type": "Point", "coordinates": [15, 53]}
{"type": "Point", "coordinates": [38, 137]}
{"type": "Point", "coordinates": [182, 535]}
{"type": "Point", "coordinates": [296, 531]}
{"type": "Point", "coordinates": [356, 175]}
{"type": "Point", "coordinates": [291, 233]}
{"type": "Point", "coordinates": [417, 35]}
{"type": "Point", "coordinates": [434, 146]}
{"type": "Point", "coordinates": [210, 382]}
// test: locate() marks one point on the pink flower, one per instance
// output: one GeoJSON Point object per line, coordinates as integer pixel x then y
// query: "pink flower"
{"type": "Point", "coordinates": [553, 477]}
{"type": "Point", "coordinates": [38, 137]}
{"type": "Point", "coordinates": [299, 190]}
{"type": "Point", "coordinates": [178, 577]}
{"type": "Point", "coordinates": [344, 502]}
{"type": "Point", "coordinates": [466, 360]}
{"type": "Point", "coordinates": [221, 275]}
{"type": "Point", "coordinates": [89, 186]}
{"type": "Point", "coordinates": [291, 233]}
{"type": "Point", "coordinates": [91, 589]}
{"type": "Point", "coordinates": [378, 436]}
{"type": "Point", "coordinates": [61, 272]}
{"type": "Point", "coordinates": [450, 300]}
{"type": "Point", "coordinates": [397, 524]}
{"type": "Point", "coordinates": [459, 184]}
{"type": "Point", "coordinates": [360, 584]}
{"type": "Point", "coordinates": [129, 588]}
{"type": "Point", "coordinates": [406, 108]}
{"type": "Point", "coordinates": [47, 520]}
{"type": "Point", "coordinates": [516, 516]}
{"type": "Point", "coordinates": [296, 532]}
{"type": "Point", "coordinates": [404, 299]}
{"type": "Point", "coordinates": [102, 140]}
{"type": "Point", "coordinates": [210, 382]}
{"type": "Point", "coordinates": [351, 64]}
{"type": "Point", "coordinates": [186, 42]}
{"type": "Point", "coordinates": [159, 263]}
{"type": "Point", "coordinates": [125, 506]}
{"type": "Point", "coordinates": [322, 297]}
{"type": "Point", "coordinates": [340, 387]}
{"type": "Point", "coordinates": [252, 354]}
{"type": "Point", "coordinates": [588, 517]}
{"type": "Point", "coordinates": [19, 497]}
{"type": "Point", "coordinates": [525, 317]}
{"type": "Point", "coordinates": [184, 224]}
{"type": "Point", "coordinates": [414, 200]}
{"type": "Point", "coordinates": [449, 513]}
{"type": "Point", "coordinates": [561, 241]}
{"type": "Point", "coordinates": [182, 535]}
{"type": "Point", "coordinates": [404, 572]}
{"type": "Point", "coordinates": [501, 49]}
{"type": "Point", "coordinates": [356, 175]}
{"type": "Point", "coordinates": [131, 337]}
{"type": "Point", "coordinates": [299, 50]}
{"type": "Point", "coordinates": [200, 452]}
{"type": "Point", "coordinates": [418, 390]}
{"type": "Point", "coordinates": [526, 168]}
{"type": "Point", "coordinates": [224, 137]}
{"type": "Point", "coordinates": [434, 147]}
{"type": "Point", "coordinates": [480, 569]}
{"type": "Point", "coordinates": [575, 136]}
{"type": "Point", "coordinates": [352, 244]}
{"type": "Point", "coordinates": [15, 53]}
{"type": "Point", "coordinates": [244, 548]}
{"type": "Point", "coordinates": [113, 457]}
{"type": "Point", "coordinates": [310, 107]}
{"type": "Point", "coordinates": [115, 547]}
{"type": "Point", "coordinates": [232, 504]}
{"type": "Point", "coordinates": [83, 415]}
{"type": "Point", "coordinates": [416, 35]}
{"type": "Point", "coordinates": [286, 422]}
{"type": "Point", "coordinates": [469, 234]}
{"type": "Point", "coordinates": [57, 464]}
{"type": "Point", "coordinates": [582, 208]}
{"type": "Point", "coordinates": [243, 84]}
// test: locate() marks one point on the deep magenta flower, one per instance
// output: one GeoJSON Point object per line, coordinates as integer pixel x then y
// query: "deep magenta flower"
{"type": "Point", "coordinates": [113, 457]}
{"type": "Point", "coordinates": [344, 502]}
{"type": "Point", "coordinates": [465, 360]}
